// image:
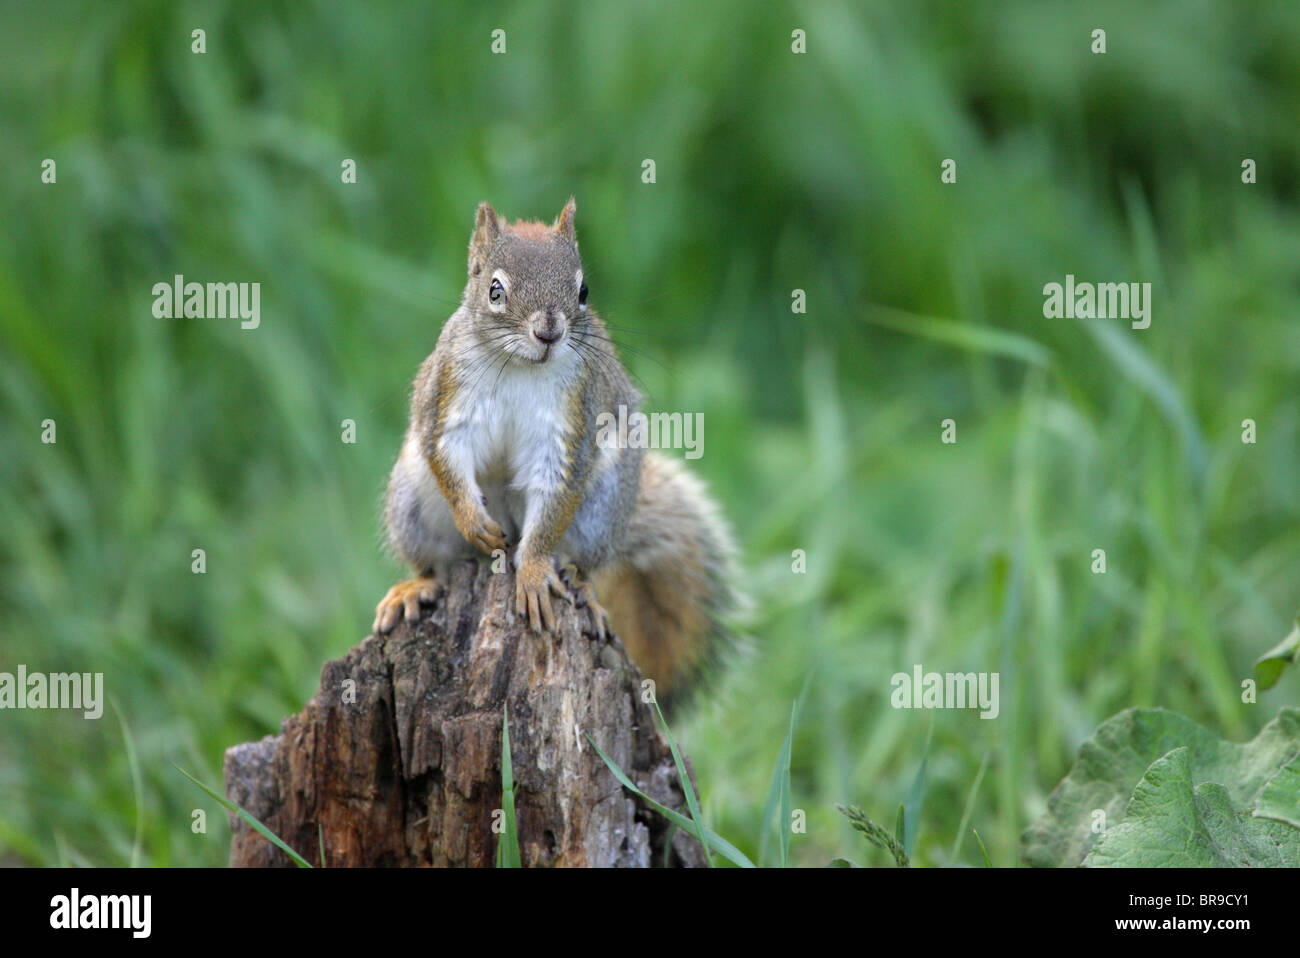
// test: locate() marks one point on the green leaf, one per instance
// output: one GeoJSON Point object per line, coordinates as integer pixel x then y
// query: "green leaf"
{"type": "Point", "coordinates": [257, 826]}
{"type": "Point", "coordinates": [1270, 665]}
{"type": "Point", "coordinates": [713, 840]}
{"type": "Point", "coordinates": [843, 863]}
{"type": "Point", "coordinates": [1095, 796]}
{"type": "Point", "coordinates": [1173, 822]}
{"type": "Point", "coordinates": [1279, 799]}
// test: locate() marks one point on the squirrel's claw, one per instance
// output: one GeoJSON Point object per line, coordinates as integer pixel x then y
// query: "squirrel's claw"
{"type": "Point", "coordinates": [586, 597]}
{"type": "Point", "coordinates": [488, 535]}
{"type": "Point", "coordinates": [479, 529]}
{"type": "Point", "coordinates": [404, 600]}
{"type": "Point", "coordinates": [535, 581]}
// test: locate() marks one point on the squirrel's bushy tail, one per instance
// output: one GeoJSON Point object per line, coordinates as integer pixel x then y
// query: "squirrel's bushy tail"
{"type": "Point", "coordinates": [669, 597]}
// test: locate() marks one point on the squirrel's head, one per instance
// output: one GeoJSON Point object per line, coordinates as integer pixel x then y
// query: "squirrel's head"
{"type": "Point", "coordinates": [526, 289]}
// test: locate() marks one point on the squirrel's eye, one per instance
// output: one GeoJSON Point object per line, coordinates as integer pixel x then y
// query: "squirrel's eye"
{"type": "Point", "coordinates": [496, 292]}
{"type": "Point", "coordinates": [582, 295]}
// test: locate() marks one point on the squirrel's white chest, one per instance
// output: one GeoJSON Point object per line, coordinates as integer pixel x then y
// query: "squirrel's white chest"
{"type": "Point", "coordinates": [511, 433]}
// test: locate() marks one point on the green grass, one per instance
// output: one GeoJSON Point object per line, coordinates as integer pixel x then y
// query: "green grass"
{"type": "Point", "coordinates": [775, 172]}
{"type": "Point", "coordinates": [257, 825]}
{"type": "Point", "coordinates": [508, 843]}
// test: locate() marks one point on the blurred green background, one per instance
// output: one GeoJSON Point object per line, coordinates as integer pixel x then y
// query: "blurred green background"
{"type": "Point", "coordinates": [775, 172]}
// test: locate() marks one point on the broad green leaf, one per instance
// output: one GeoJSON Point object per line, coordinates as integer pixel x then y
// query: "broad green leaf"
{"type": "Point", "coordinates": [1094, 796]}
{"type": "Point", "coordinates": [1173, 822]}
{"type": "Point", "coordinates": [1279, 799]}
{"type": "Point", "coordinates": [1270, 665]}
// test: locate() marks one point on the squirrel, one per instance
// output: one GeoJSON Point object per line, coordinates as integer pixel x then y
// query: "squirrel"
{"type": "Point", "coordinates": [502, 452]}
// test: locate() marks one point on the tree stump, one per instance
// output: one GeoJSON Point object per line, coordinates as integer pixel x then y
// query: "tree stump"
{"type": "Point", "coordinates": [397, 758]}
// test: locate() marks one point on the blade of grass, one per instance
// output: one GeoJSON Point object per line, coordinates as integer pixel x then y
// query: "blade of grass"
{"type": "Point", "coordinates": [713, 840]}
{"type": "Point", "coordinates": [508, 844]}
{"type": "Point", "coordinates": [692, 802]}
{"type": "Point", "coordinates": [916, 798]}
{"type": "Point", "coordinates": [971, 337]}
{"type": "Point", "coordinates": [137, 786]}
{"type": "Point", "coordinates": [970, 805]}
{"type": "Point", "coordinates": [668, 844]}
{"type": "Point", "coordinates": [782, 762]}
{"type": "Point", "coordinates": [785, 794]}
{"type": "Point", "coordinates": [257, 826]}
{"type": "Point", "coordinates": [779, 789]}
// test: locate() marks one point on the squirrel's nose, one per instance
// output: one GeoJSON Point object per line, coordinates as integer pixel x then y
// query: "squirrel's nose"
{"type": "Point", "coordinates": [549, 326]}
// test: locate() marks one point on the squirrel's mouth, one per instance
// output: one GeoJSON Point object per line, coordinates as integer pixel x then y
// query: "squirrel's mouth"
{"type": "Point", "coordinates": [546, 332]}
{"type": "Point", "coordinates": [544, 349]}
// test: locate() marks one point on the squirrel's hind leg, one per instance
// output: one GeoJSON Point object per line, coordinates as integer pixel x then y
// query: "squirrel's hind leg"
{"type": "Point", "coordinates": [405, 597]}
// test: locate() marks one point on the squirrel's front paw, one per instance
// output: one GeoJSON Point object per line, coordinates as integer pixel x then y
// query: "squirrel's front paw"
{"type": "Point", "coordinates": [480, 530]}
{"type": "Point", "coordinates": [535, 581]}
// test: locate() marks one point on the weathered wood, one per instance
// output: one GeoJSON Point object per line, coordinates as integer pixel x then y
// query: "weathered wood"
{"type": "Point", "coordinates": [398, 756]}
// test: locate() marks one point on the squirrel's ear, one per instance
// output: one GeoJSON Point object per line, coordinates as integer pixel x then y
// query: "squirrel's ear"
{"type": "Point", "coordinates": [564, 222]}
{"type": "Point", "coordinates": [486, 229]}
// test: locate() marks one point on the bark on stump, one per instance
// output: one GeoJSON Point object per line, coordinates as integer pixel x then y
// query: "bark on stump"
{"type": "Point", "coordinates": [398, 756]}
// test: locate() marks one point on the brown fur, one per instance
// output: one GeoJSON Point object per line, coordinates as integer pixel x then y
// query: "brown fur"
{"type": "Point", "coordinates": [676, 580]}
{"type": "Point", "coordinates": [530, 229]}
